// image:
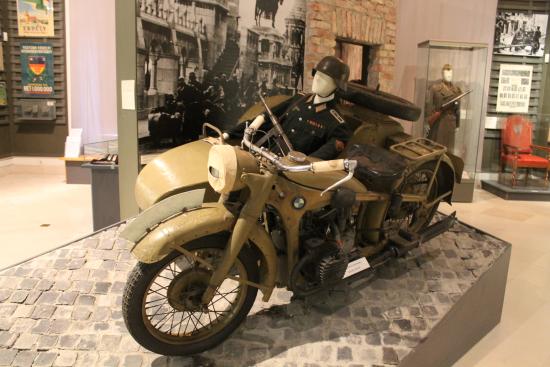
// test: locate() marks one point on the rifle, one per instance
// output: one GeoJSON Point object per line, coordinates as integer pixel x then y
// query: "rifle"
{"type": "Point", "coordinates": [437, 114]}
{"type": "Point", "coordinates": [282, 139]}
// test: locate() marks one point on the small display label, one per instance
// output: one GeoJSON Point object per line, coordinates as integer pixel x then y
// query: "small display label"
{"type": "Point", "coordinates": [356, 266]}
{"type": "Point", "coordinates": [128, 91]}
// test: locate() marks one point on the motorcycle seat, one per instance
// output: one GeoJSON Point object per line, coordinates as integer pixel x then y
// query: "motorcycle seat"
{"type": "Point", "coordinates": [377, 168]}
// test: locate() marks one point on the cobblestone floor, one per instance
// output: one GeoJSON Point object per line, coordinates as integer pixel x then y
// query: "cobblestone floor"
{"type": "Point", "coordinates": [63, 309]}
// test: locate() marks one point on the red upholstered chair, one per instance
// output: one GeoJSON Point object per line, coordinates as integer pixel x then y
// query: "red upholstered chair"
{"type": "Point", "coordinates": [516, 149]}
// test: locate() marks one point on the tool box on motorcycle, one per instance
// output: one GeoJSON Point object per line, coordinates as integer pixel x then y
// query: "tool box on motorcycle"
{"type": "Point", "coordinates": [377, 168]}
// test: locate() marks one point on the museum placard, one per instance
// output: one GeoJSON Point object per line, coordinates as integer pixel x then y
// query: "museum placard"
{"type": "Point", "coordinates": [37, 75]}
{"type": "Point", "coordinates": [514, 88]}
{"type": "Point", "coordinates": [35, 18]}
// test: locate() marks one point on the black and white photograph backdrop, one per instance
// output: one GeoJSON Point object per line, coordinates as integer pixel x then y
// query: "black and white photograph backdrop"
{"type": "Point", "coordinates": [520, 34]}
{"type": "Point", "coordinates": [206, 61]}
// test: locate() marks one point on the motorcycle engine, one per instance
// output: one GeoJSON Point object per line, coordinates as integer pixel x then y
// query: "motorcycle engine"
{"type": "Point", "coordinates": [327, 238]}
{"type": "Point", "coordinates": [328, 263]}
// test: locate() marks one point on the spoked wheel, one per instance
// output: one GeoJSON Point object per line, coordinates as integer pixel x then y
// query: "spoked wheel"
{"type": "Point", "coordinates": [413, 217]}
{"type": "Point", "coordinates": [162, 302]}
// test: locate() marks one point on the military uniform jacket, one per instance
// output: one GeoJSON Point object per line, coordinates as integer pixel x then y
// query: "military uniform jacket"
{"type": "Point", "coordinates": [317, 130]}
{"type": "Point", "coordinates": [443, 130]}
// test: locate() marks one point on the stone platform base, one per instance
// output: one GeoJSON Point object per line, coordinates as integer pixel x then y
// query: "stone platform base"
{"type": "Point", "coordinates": [427, 309]}
{"type": "Point", "coordinates": [520, 192]}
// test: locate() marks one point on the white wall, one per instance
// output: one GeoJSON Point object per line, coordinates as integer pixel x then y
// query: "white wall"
{"type": "Point", "coordinates": [92, 68]}
{"type": "Point", "coordinates": [448, 20]}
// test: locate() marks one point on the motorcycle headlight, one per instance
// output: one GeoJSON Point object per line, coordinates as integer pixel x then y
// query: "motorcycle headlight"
{"type": "Point", "coordinates": [226, 164]}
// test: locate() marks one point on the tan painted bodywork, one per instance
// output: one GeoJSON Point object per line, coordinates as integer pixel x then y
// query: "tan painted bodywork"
{"type": "Point", "coordinates": [185, 168]}
{"type": "Point", "coordinates": [180, 169]}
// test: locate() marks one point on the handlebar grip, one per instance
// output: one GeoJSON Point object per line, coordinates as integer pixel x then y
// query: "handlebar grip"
{"type": "Point", "coordinates": [258, 122]}
{"type": "Point", "coordinates": [328, 166]}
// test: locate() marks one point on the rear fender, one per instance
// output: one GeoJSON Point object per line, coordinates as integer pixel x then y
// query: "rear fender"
{"type": "Point", "coordinates": [457, 164]}
{"type": "Point", "coordinates": [448, 175]}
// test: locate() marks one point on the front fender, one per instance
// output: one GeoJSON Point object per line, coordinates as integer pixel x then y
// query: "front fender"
{"type": "Point", "coordinates": [181, 229]}
{"type": "Point", "coordinates": [206, 220]}
{"type": "Point", "coordinates": [161, 211]}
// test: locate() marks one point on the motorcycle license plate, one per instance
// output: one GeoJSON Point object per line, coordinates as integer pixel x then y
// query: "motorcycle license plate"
{"type": "Point", "coordinates": [356, 266]}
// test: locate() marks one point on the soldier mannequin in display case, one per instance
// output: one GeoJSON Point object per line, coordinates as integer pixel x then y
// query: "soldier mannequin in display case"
{"type": "Point", "coordinates": [311, 121]}
{"type": "Point", "coordinates": [443, 122]}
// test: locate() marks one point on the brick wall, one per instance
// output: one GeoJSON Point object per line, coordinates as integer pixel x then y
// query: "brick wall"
{"type": "Point", "coordinates": [371, 22]}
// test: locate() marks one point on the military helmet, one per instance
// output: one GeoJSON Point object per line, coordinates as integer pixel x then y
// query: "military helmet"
{"type": "Point", "coordinates": [335, 68]}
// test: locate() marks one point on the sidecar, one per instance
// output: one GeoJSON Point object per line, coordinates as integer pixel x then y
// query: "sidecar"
{"type": "Point", "coordinates": [368, 112]}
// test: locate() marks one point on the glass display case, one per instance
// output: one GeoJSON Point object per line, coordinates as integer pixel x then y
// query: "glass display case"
{"type": "Point", "coordinates": [450, 89]}
{"type": "Point", "coordinates": [99, 149]}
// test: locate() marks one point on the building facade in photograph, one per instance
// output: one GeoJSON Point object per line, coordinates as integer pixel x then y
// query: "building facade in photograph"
{"type": "Point", "coordinates": [207, 60]}
{"type": "Point", "coordinates": [175, 38]}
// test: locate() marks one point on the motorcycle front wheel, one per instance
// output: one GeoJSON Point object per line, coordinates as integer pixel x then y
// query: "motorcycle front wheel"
{"type": "Point", "coordinates": [161, 303]}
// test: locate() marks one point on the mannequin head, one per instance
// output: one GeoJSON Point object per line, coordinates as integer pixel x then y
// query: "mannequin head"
{"type": "Point", "coordinates": [447, 72]}
{"type": "Point", "coordinates": [323, 85]}
{"type": "Point", "coordinates": [331, 68]}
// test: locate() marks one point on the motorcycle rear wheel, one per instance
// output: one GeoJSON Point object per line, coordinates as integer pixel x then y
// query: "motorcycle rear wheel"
{"type": "Point", "coordinates": [419, 216]}
{"type": "Point", "coordinates": [161, 306]}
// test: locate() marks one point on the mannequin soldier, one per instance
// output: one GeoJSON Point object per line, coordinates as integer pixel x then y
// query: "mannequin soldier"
{"type": "Point", "coordinates": [443, 128]}
{"type": "Point", "coordinates": [311, 121]}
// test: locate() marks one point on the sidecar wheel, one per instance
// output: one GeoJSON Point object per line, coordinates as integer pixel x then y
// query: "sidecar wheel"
{"type": "Point", "coordinates": [161, 306]}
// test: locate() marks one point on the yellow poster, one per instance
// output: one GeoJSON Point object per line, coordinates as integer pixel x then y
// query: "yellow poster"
{"type": "Point", "coordinates": [35, 18]}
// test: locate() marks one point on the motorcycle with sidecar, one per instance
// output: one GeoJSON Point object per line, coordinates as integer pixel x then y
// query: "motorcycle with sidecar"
{"type": "Point", "coordinates": [221, 222]}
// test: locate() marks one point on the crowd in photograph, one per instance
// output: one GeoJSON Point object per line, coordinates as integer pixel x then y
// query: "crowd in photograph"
{"type": "Point", "coordinates": [218, 100]}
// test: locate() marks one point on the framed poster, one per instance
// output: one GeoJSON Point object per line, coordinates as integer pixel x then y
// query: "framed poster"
{"type": "Point", "coordinates": [37, 76]}
{"type": "Point", "coordinates": [35, 18]}
{"type": "Point", "coordinates": [514, 88]}
{"type": "Point", "coordinates": [520, 34]}
{"type": "Point", "coordinates": [3, 94]}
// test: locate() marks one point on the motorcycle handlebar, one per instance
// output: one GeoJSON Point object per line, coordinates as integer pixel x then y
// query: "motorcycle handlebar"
{"type": "Point", "coordinates": [257, 123]}
{"type": "Point", "coordinates": [323, 166]}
